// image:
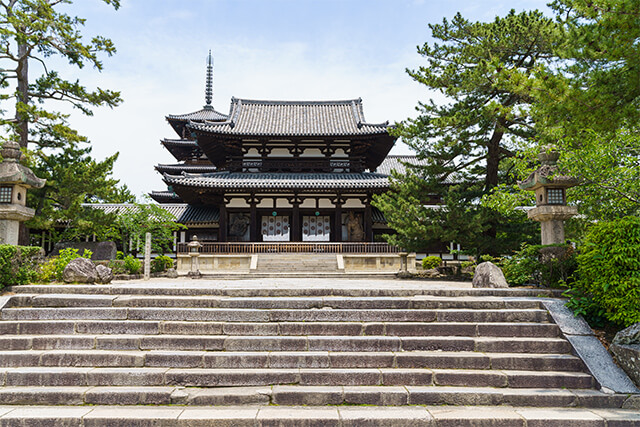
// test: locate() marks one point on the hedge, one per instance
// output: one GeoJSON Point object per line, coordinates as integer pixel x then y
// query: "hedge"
{"type": "Point", "coordinates": [609, 271]}
{"type": "Point", "coordinates": [19, 265]}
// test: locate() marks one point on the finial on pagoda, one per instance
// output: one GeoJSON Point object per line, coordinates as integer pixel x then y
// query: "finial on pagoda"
{"type": "Point", "coordinates": [209, 86]}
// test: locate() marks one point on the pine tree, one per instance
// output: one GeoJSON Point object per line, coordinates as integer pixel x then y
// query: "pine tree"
{"type": "Point", "coordinates": [487, 72]}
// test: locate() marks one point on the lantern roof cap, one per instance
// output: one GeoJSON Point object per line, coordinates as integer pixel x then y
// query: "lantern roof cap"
{"type": "Point", "coordinates": [12, 172]}
{"type": "Point", "coordinates": [548, 174]}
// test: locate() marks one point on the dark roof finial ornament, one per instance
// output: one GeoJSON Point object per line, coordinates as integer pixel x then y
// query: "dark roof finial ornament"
{"type": "Point", "coordinates": [209, 86]}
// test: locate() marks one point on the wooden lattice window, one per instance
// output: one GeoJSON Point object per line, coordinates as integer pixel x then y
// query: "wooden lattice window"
{"type": "Point", "coordinates": [5, 194]}
{"type": "Point", "coordinates": [555, 196]}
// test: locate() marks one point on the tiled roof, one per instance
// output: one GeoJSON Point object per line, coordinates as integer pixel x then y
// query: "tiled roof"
{"type": "Point", "coordinates": [397, 163]}
{"type": "Point", "coordinates": [207, 113]}
{"type": "Point", "coordinates": [184, 213]}
{"type": "Point", "coordinates": [377, 216]}
{"type": "Point", "coordinates": [294, 118]}
{"type": "Point", "coordinates": [180, 167]}
{"type": "Point", "coordinates": [165, 197]}
{"type": "Point", "coordinates": [281, 181]}
{"type": "Point", "coordinates": [179, 143]}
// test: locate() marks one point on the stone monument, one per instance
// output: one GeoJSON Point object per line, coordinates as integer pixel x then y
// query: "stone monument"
{"type": "Point", "coordinates": [551, 202]}
{"type": "Point", "coordinates": [15, 179]}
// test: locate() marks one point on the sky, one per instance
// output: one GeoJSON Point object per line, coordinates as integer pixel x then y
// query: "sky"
{"type": "Point", "coordinates": [262, 49]}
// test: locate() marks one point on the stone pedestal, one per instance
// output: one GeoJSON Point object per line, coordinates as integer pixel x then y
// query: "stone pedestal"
{"type": "Point", "coordinates": [551, 220]}
{"type": "Point", "coordinates": [10, 218]}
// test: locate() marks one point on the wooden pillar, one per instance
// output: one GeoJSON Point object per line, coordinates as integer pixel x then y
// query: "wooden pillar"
{"type": "Point", "coordinates": [296, 230]}
{"type": "Point", "coordinates": [337, 222]}
{"type": "Point", "coordinates": [222, 233]}
{"type": "Point", "coordinates": [253, 216]}
{"type": "Point", "coordinates": [368, 221]}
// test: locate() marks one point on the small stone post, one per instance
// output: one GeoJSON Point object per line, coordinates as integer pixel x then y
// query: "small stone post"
{"type": "Point", "coordinates": [194, 252]}
{"type": "Point", "coordinates": [551, 201]}
{"type": "Point", "coordinates": [403, 261]}
{"type": "Point", "coordinates": [147, 256]}
{"type": "Point", "coordinates": [15, 179]}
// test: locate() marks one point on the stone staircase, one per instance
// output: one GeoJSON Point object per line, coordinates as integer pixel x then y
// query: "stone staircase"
{"type": "Point", "coordinates": [301, 262]}
{"type": "Point", "coordinates": [101, 355]}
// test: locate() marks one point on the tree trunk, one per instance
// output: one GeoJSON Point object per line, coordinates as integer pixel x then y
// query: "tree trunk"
{"type": "Point", "coordinates": [493, 166]}
{"type": "Point", "coordinates": [24, 238]}
{"type": "Point", "coordinates": [493, 159]}
{"type": "Point", "coordinates": [23, 94]}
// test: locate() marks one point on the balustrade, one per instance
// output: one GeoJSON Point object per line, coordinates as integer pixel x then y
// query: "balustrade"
{"type": "Point", "coordinates": [292, 247]}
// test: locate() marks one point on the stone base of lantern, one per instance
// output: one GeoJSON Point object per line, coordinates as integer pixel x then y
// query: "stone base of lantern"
{"type": "Point", "coordinates": [551, 220]}
{"type": "Point", "coordinates": [10, 218]}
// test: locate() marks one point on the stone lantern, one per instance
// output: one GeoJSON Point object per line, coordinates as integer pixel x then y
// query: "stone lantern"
{"type": "Point", "coordinates": [15, 179]}
{"type": "Point", "coordinates": [194, 252]}
{"type": "Point", "coordinates": [551, 202]}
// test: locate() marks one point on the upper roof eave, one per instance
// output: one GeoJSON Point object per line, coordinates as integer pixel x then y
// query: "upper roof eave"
{"type": "Point", "coordinates": [280, 181]}
{"type": "Point", "coordinates": [249, 117]}
{"type": "Point", "coordinates": [206, 113]}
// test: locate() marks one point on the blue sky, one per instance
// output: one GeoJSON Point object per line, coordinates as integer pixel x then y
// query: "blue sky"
{"type": "Point", "coordinates": [263, 49]}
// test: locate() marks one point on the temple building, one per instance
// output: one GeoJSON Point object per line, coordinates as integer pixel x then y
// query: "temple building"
{"type": "Point", "coordinates": [278, 171]}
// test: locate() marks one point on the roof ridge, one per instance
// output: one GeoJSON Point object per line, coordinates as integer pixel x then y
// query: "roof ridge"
{"type": "Point", "coordinates": [296, 102]}
{"type": "Point", "coordinates": [178, 140]}
{"type": "Point", "coordinates": [401, 155]}
{"type": "Point", "coordinates": [205, 108]}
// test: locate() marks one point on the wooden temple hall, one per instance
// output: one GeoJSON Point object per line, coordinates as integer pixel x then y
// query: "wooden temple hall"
{"type": "Point", "coordinates": [278, 171]}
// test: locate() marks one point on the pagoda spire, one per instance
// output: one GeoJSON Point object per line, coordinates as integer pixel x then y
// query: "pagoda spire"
{"type": "Point", "coordinates": [209, 85]}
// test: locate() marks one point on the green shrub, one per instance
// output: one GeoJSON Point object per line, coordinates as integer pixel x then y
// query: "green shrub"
{"type": "Point", "coordinates": [584, 305]}
{"type": "Point", "coordinates": [608, 271]}
{"type": "Point", "coordinates": [487, 258]}
{"type": "Point", "coordinates": [120, 255]}
{"type": "Point", "coordinates": [431, 262]}
{"type": "Point", "coordinates": [161, 263]}
{"type": "Point", "coordinates": [132, 265]}
{"type": "Point", "coordinates": [54, 267]}
{"type": "Point", "coordinates": [19, 265]}
{"type": "Point", "coordinates": [542, 265]}
{"type": "Point", "coordinates": [117, 266]}
{"type": "Point", "coordinates": [48, 270]}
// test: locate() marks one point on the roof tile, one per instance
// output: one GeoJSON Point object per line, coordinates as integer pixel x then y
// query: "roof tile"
{"type": "Point", "coordinates": [275, 181]}
{"type": "Point", "coordinates": [294, 118]}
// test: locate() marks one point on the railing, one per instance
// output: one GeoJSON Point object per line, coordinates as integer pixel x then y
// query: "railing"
{"type": "Point", "coordinates": [292, 247]}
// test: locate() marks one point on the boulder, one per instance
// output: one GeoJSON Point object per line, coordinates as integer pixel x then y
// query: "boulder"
{"type": "Point", "coordinates": [631, 335]}
{"type": "Point", "coordinates": [80, 270]}
{"type": "Point", "coordinates": [489, 275]}
{"type": "Point", "coordinates": [432, 272]}
{"type": "Point", "coordinates": [105, 274]}
{"type": "Point", "coordinates": [172, 273]}
{"type": "Point", "coordinates": [628, 357]}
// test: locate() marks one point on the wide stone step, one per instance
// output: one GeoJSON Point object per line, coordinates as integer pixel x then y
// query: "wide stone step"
{"type": "Point", "coordinates": [209, 301]}
{"type": "Point", "coordinates": [275, 359]}
{"type": "Point", "coordinates": [358, 289]}
{"type": "Point", "coordinates": [73, 376]}
{"type": "Point", "coordinates": [277, 315]}
{"type": "Point", "coordinates": [495, 329]}
{"type": "Point", "coordinates": [284, 343]}
{"type": "Point", "coordinates": [312, 396]}
{"type": "Point", "coordinates": [342, 416]}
